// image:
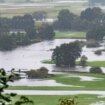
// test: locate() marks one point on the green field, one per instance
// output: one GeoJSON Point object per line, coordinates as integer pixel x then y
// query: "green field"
{"type": "Point", "coordinates": [96, 63]}
{"type": "Point", "coordinates": [69, 34]}
{"type": "Point", "coordinates": [53, 100]}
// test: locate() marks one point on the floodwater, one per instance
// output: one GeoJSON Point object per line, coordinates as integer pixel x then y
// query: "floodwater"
{"type": "Point", "coordinates": [30, 57]}
{"type": "Point", "coordinates": [38, 82]}
{"type": "Point", "coordinates": [52, 92]}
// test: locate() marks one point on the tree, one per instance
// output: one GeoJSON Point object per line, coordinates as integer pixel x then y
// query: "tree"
{"type": "Point", "coordinates": [39, 73]}
{"type": "Point", "coordinates": [46, 32]}
{"type": "Point", "coordinates": [31, 33]}
{"type": "Point", "coordinates": [39, 15]}
{"type": "Point", "coordinates": [83, 60]}
{"type": "Point", "coordinates": [4, 79]}
{"type": "Point", "coordinates": [95, 70]}
{"type": "Point", "coordinates": [65, 19]}
{"type": "Point", "coordinates": [66, 54]}
{"type": "Point", "coordinates": [7, 98]}
{"type": "Point", "coordinates": [7, 42]}
{"type": "Point", "coordinates": [96, 33]}
{"type": "Point", "coordinates": [92, 14]}
{"type": "Point", "coordinates": [24, 101]}
{"type": "Point", "coordinates": [81, 24]}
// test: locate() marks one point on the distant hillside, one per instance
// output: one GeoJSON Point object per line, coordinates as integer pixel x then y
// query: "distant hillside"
{"type": "Point", "coordinates": [15, 1]}
{"type": "Point", "coordinates": [23, 1]}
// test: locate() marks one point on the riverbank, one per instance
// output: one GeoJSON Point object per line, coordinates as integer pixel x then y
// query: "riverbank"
{"type": "Point", "coordinates": [89, 63]}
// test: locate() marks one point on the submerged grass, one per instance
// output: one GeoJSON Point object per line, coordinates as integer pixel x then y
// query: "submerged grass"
{"type": "Point", "coordinates": [97, 84]}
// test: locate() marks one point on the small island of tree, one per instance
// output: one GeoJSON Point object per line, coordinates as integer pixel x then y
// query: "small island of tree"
{"type": "Point", "coordinates": [66, 54]}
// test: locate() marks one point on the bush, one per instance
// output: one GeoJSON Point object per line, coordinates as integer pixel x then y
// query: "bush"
{"type": "Point", "coordinates": [68, 101]}
{"type": "Point", "coordinates": [83, 60]}
{"type": "Point", "coordinates": [16, 77]}
{"type": "Point", "coordinates": [92, 43]}
{"type": "Point", "coordinates": [98, 52]}
{"type": "Point", "coordinates": [39, 73]}
{"type": "Point", "coordinates": [95, 70]}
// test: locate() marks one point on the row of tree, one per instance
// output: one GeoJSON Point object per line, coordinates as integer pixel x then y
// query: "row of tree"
{"type": "Point", "coordinates": [88, 18]}
{"type": "Point", "coordinates": [91, 20]}
{"type": "Point", "coordinates": [21, 30]}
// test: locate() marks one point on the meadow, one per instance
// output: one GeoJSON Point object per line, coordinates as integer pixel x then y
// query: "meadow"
{"type": "Point", "coordinates": [52, 8]}
{"type": "Point", "coordinates": [69, 34]}
{"type": "Point", "coordinates": [53, 100]}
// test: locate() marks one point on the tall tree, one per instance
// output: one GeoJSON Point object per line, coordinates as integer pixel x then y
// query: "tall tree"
{"type": "Point", "coordinates": [46, 32]}
{"type": "Point", "coordinates": [65, 18]}
{"type": "Point", "coordinates": [96, 33]}
{"type": "Point", "coordinates": [66, 54]}
{"type": "Point", "coordinates": [7, 98]}
{"type": "Point", "coordinates": [92, 14]}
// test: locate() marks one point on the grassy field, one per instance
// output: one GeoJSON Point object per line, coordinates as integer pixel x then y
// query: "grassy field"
{"type": "Point", "coordinates": [96, 63]}
{"type": "Point", "coordinates": [69, 34]}
{"type": "Point", "coordinates": [53, 100]}
{"type": "Point", "coordinates": [97, 84]}
{"type": "Point", "coordinates": [50, 7]}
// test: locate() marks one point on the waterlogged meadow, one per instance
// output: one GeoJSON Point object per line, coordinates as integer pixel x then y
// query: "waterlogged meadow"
{"type": "Point", "coordinates": [89, 88]}
{"type": "Point", "coordinates": [69, 81]}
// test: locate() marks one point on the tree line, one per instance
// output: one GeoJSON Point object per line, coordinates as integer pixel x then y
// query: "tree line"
{"type": "Point", "coordinates": [91, 20]}
{"type": "Point", "coordinates": [21, 30]}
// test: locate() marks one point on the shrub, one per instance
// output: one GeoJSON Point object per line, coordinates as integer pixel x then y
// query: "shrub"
{"type": "Point", "coordinates": [16, 76]}
{"type": "Point", "coordinates": [98, 52]}
{"type": "Point", "coordinates": [68, 101]}
{"type": "Point", "coordinates": [95, 70]}
{"type": "Point", "coordinates": [92, 43]}
{"type": "Point", "coordinates": [39, 73]}
{"type": "Point", "coordinates": [83, 60]}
